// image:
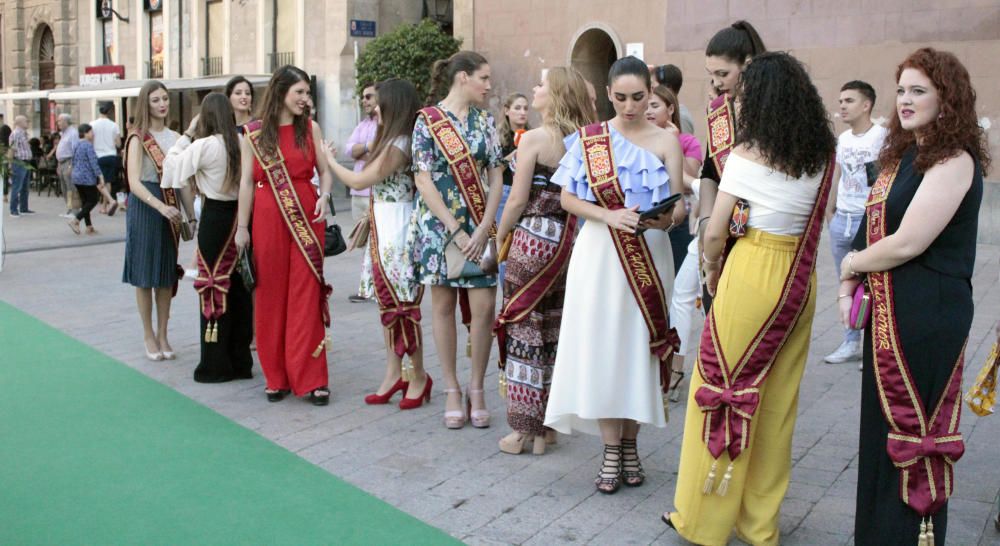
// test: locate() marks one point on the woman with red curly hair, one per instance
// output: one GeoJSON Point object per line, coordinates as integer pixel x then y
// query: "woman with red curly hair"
{"type": "Point", "coordinates": [914, 262]}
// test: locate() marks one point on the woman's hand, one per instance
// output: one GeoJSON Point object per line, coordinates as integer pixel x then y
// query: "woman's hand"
{"type": "Point", "coordinates": [322, 208]}
{"type": "Point", "coordinates": [170, 213]}
{"type": "Point", "coordinates": [712, 280]}
{"type": "Point", "coordinates": [242, 238]}
{"type": "Point", "coordinates": [191, 127]}
{"type": "Point", "coordinates": [623, 219]}
{"type": "Point", "coordinates": [473, 248]}
{"type": "Point", "coordinates": [330, 151]}
{"type": "Point", "coordinates": [663, 221]}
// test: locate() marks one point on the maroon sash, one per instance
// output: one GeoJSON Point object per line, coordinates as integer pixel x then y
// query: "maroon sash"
{"type": "Point", "coordinates": [155, 153]}
{"type": "Point", "coordinates": [524, 301]}
{"type": "Point", "coordinates": [401, 318]}
{"type": "Point", "coordinates": [730, 393]}
{"type": "Point", "coordinates": [296, 218]}
{"type": "Point", "coordinates": [721, 131]}
{"type": "Point", "coordinates": [463, 166]}
{"type": "Point", "coordinates": [213, 283]}
{"type": "Point", "coordinates": [633, 252]}
{"type": "Point", "coordinates": [923, 448]}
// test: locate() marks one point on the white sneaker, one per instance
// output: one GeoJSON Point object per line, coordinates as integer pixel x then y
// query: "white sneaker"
{"type": "Point", "coordinates": [848, 351]}
{"type": "Point", "coordinates": [66, 215]}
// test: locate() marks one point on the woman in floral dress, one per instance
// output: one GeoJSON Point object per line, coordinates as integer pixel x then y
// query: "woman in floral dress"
{"type": "Point", "coordinates": [392, 284]}
{"type": "Point", "coordinates": [442, 215]}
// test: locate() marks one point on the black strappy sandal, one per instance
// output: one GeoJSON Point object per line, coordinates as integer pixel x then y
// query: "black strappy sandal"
{"type": "Point", "coordinates": [320, 396]}
{"type": "Point", "coordinates": [609, 478]}
{"type": "Point", "coordinates": [665, 518]}
{"type": "Point", "coordinates": [675, 392]}
{"type": "Point", "coordinates": [631, 466]}
{"type": "Point", "coordinates": [276, 396]}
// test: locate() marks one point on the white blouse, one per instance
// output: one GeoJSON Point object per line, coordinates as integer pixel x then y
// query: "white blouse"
{"type": "Point", "coordinates": [205, 159]}
{"type": "Point", "coordinates": [779, 204]}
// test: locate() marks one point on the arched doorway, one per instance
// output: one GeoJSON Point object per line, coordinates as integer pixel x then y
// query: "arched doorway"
{"type": "Point", "coordinates": [46, 48]}
{"type": "Point", "coordinates": [593, 53]}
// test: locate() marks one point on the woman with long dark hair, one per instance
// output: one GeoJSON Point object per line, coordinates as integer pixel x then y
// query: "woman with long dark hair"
{"type": "Point", "coordinates": [153, 220]}
{"type": "Point", "coordinates": [240, 94]}
{"type": "Point", "coordinates": [615, 331]}
{"type": "Point", "coordinates": [291, 310]}
{"type": "Point", "coordinates": [513, 123]}
{"type": "Point", "coordinates": [456, 157]}
{"type": "Point", "coordinates": [916, 256]}
{"type": "Point", "coordinates": [209, 151]}
{"type": "Point", "coordinates": [388, 173]}
{"type": "Point", "coordinates": [735, 461]}
{"type": "Point", "coordinates": [542, 235]}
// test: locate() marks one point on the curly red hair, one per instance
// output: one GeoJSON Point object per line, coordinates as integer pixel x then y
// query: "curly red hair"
{"type": "Point", "coordinates": [956, 130]}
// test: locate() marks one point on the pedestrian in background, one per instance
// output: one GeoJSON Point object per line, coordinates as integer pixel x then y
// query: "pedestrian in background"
{"type": "Point", "coordinates": [20, 153]}
{"type": "Point", "coordinates": [88, 179]}
{"type": "Point", "coordinates": [107, 140]}
{"type": "Point", "coordinates": [69, 135]}
{"type": "Point", "coordinates": [360, 146]}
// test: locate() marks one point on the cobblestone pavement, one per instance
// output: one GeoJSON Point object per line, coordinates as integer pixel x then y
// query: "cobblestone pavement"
{"type": "Point", "coordinates": [458, 480]}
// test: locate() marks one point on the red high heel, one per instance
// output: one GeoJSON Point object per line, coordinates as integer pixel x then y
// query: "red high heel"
{"type": "Point", "coordinates": [425, 396]}
{"type": "Point", "coordinates": [375, 398]}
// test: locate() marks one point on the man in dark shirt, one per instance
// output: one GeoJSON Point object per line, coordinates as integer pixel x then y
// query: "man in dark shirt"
{"type": "Point", "coordinates": [4, 144]}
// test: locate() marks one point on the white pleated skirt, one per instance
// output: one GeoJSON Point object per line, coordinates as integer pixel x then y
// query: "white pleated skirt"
{"type": "Point", "coordinates": [603, 368]}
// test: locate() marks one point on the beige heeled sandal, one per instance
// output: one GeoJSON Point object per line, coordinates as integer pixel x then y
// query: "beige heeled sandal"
{"type": "Point", "coordinates": [514, 442]}
{"type": "Point", "coordinates": [480, 417]}
{"type": "Point", "coordinates": [454, 419]}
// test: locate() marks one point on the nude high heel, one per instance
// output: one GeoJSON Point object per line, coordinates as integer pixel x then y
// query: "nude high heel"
{"type": "Point", "coordinates": [454, 419]}
{"type": "Point", "coordinates": [480, 418]}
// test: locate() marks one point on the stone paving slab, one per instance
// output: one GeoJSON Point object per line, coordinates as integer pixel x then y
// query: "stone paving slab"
{"type": "Point", "coordinates": [458, 480]}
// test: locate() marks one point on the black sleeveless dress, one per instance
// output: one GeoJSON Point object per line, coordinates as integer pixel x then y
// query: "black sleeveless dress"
{"type": "Point", "coordinates": [933, 298]}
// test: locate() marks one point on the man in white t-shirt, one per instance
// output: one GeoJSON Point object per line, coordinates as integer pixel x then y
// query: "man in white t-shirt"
{"type": "Point", "coordinates": [856, 147]}
{"type": "Point", "coordinates": [107, 140]}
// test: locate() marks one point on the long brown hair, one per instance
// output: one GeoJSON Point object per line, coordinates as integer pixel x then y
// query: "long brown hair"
{"type": "Point", "coordinates": [398, 104]}
{"type": "Point", "coordinates": [216, 118]}
{"type": "Point", "coordinates": [505, 130]}
{"type": "Point", "coordinates": [669, 99]}
{"type": "Point", "coordinates": [569, 102]}
{"type": "Point", "coordinates": [443, 72]}
{"type": "Point", "coordinates": [956, 130]}
{"type": "Point", "coordinates": [143, 117]}
{"type": "Point", "coordinates": [274, 101]}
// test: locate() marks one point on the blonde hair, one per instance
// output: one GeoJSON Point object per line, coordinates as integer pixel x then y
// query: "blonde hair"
{"type": "Point", "coordinates": [569, 103]}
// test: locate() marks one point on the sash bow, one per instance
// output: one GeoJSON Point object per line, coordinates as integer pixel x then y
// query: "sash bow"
{"type": "Point", "coordinates": [743, 402]}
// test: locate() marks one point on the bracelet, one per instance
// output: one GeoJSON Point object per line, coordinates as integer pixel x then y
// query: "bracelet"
{"type": "Point", "coordinates": [705, 259]}
{"type": "Point", "coordinates": [239, 226]}
{"type": "Point", "coordinates": [844, 296]}
{"type": "Point", "coordinates": [850, 265]}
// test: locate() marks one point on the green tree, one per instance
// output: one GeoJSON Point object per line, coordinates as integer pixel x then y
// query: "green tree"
{"type": "Point", "coordinates": [408, 53]}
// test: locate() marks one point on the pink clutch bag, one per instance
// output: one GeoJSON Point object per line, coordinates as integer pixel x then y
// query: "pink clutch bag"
{"type": "Point", "coordinates": [861, 309]}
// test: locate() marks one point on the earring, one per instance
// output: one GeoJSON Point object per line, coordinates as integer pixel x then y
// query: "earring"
{"type": "Point", "coordinates": [940, 116]}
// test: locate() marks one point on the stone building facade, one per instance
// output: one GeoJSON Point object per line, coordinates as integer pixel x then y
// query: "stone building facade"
{"type": "Point", "coordinates": [838, 41]}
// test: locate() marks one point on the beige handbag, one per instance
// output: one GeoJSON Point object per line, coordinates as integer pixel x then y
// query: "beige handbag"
{"type": "Point", "coordinates": [358, 238]}
{"type": "Point", "coordinates": [459, 267]}
{"type": "Point", "coordinates": [983, 393]}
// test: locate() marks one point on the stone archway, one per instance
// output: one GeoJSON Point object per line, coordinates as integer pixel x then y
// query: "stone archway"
{"type": "Point", "coordinates": [594, 50]}
{"type": "Point", "coordinates": [45, 48]}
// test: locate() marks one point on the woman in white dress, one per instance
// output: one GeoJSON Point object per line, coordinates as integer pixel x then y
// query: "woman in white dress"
{"type": "Point", "coordinates": [393, 285]}
{"type": "Point", "coordinates": [607, 379]}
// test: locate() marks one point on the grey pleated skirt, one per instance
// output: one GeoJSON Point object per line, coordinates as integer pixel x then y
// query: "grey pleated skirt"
{"type": "Point", "coordinates": [150, 256]}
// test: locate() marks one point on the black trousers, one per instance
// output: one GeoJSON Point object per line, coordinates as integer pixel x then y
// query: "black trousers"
{"type": "Point", "coordinates": [228, 358]}
{"type": "Point", "coordinates": [90, 197]}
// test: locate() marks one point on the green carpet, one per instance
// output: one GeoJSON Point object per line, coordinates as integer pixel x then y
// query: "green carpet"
{"type": "Point", "coordinates": [94, 452]}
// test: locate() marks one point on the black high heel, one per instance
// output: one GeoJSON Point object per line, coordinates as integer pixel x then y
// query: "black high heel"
{"type": "Point", "coordinates": [609, 478]}
{"type": "Point", "coordinates": [320, 396]}
{"type": "Point", "coordinates": [276, 396]}
{"type": "Point", "coordinates": [631, 466]}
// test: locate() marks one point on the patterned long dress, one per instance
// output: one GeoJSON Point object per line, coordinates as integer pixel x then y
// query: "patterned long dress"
{"type": "Point", "coordinates": [531, 343]}
{"type": "Point", "coordinates": [427, 235]}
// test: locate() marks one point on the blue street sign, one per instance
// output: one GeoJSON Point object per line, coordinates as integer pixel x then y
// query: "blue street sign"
{"type": "Point", "coordinates": [362, 29]}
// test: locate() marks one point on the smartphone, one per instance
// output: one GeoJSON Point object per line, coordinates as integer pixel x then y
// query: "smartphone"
{"type": "Point", "coordinates": [660, 208]}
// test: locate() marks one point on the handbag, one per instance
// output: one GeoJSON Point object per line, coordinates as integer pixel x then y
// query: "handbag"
{"type": "Point", "coordinates": [358, 238]}
{"type": "Point", "coordinates": [334, 243]}
{"type": "Point", "coordinates": [244, 266]}
{"type": "Point", "coordinates": [187, 233]}
{"type": "Point", "coordinates": [982, 394]}
{"type": "Point", "coordinates": [861, 309]}
{"type": "Point", "coordinates": [460, 267]}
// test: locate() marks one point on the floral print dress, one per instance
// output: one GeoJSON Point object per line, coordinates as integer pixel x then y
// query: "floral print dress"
{"type": "Point", "coordinates": [392, 208]}
{"type": "Point", "coordinates": [427, 234]}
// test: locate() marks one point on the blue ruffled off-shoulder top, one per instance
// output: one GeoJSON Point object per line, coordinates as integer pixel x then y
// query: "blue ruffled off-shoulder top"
{"type": "Point", "coordinates": [643, 177]}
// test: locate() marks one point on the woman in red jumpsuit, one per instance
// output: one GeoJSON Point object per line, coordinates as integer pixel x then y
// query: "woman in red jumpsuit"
{"type": "Point", "coordinates": [291, 296]}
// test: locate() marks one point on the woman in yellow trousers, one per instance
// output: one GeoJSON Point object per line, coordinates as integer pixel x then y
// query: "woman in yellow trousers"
{"type": "Point", "coordinates": [735, 460]}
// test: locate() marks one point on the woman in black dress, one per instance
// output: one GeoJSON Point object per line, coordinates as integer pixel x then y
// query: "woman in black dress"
{"type": "Point", "coordinates": [918, 266]}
